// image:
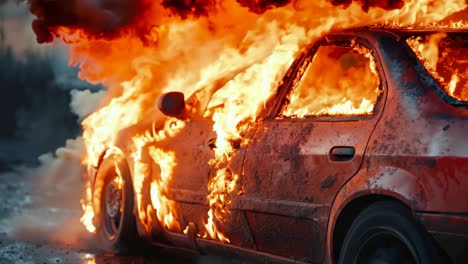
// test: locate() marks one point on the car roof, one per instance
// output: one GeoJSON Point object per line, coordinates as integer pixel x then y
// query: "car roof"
{"type": "Point", "coordinates": [399, 32]}
{"type": "Point", "coordinates": [374, 34]}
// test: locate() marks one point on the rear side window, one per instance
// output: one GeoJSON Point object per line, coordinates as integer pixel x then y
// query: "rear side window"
{"type": "Point", "coordinates": [338, 81]}
{"type": "Point", "coordinates": [446, 58]}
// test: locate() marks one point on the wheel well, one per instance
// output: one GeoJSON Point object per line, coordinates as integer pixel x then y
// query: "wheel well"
{"type": "Point", "coordinates": [349, 213]}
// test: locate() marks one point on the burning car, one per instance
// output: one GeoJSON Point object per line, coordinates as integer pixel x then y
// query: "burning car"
{"type": "Point", "coordinates": [360, 155]}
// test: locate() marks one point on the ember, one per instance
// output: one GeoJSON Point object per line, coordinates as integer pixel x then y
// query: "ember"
{"type": "Point", "coordinates": [237, 50]}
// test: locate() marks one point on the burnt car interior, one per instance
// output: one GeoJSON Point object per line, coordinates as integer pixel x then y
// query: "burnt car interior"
{"type": "Point", "coordinates": [445, 56]}
{"type": "Point", "coordinates": [349, 80]}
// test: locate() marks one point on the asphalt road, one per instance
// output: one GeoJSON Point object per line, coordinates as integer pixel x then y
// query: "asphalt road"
{"type": "Point", "coordinates": [39, 223]}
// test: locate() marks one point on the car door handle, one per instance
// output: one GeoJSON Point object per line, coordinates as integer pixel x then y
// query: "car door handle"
{"type": "Point", "coordinates": [342, 153]}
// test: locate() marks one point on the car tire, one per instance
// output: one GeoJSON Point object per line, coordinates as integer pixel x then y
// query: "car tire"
{"type": "Point", "coordinates": [115, 220]}
{"type": "Point", "coordinates": [386, 232]}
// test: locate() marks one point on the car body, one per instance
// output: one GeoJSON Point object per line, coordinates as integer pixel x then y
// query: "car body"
{"type": "Point", "coordinates": [303, 181]}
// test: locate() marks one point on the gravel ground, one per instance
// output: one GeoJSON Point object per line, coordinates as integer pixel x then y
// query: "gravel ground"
{"type": "Point", "coordinates": [44, 228]}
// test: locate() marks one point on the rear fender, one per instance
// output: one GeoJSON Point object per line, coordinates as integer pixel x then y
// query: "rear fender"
{"type": "Point", "coordinates": [389, 182]}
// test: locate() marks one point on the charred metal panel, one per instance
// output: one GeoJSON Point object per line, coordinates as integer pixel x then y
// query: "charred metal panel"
{"type": "Point", "coordinates": [187, 196]}
{"type": "Point", "coordinates": [292, 209]}
{"type": "Point", "coordinates": [446, 223]}
{"type": "Point", "coordinates": [290, 161]}
{"type": "Point", "coordinates": [450, 231]}
{"type": "Point", "coordinates": [194, 207]}
{"type": "Point", "coordinates": [384, 181]}
{"type": "Point", "coordinates": [421, 134]}
{"type": "Point", "coordinates": [192, 149]}
{"type": "Point", "coordinates": [236, 227]}
{"type": "Point", "coordinates": [418, 152]}
{"type": "Point", "coordinates": [304, 161]}
{"type": "Point", "coordinates": [289, 237]}
{"type": "Point", "coordinates": [440, 180]}
{"type": "Point", "coordinates": [238, 231]}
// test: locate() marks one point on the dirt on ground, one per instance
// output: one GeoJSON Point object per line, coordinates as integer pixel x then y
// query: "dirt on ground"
{"type": "Point", "coordinates": [42, 227]}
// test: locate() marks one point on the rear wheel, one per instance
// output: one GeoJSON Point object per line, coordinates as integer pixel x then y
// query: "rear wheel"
{"type": "Point", "coordinates": [116, 225]}
{"type": "Point", "coordinates": [386, 232]}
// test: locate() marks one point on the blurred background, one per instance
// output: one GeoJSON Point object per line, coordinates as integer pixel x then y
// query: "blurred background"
{"type": "Point", "coordinates": [36, 86]}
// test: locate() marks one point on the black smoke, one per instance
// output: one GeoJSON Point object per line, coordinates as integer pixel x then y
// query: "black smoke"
{"type": "Point", "coordinates": [98, 17]}
{"type": "Point", "coordinates": [108, 18]}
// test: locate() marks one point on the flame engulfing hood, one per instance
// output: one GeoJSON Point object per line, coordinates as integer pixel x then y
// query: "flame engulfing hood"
{"type": "Point", "coordinates": [106, 18]}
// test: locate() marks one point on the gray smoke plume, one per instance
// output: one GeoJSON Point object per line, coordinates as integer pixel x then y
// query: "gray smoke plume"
{"type": "Point", "coordinates": [42, 105]}
{"type": "Point", "coordinates": [36, 84]}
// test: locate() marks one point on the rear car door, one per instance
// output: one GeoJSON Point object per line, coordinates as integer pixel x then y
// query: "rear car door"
{"type": "Point", "coordinates": [300, 156]}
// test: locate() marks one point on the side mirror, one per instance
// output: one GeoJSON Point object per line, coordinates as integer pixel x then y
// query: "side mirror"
{"type": "Point", "coordinates": [172, 104]}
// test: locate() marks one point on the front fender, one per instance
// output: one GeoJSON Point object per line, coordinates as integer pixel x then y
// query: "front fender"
{"type": "Point", "coordinates": [127, 164]}
{"type": "Point", "coordinates": [93, 170]}
{"type": "Point", "coordinates": [386, 181]}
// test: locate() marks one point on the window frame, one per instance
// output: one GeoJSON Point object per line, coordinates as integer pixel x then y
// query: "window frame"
{"type": "Point", "coordinates": [298, 69]}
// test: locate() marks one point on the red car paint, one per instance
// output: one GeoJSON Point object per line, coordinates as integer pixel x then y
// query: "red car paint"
{"type": "Point", "coordinates": [297, 200]}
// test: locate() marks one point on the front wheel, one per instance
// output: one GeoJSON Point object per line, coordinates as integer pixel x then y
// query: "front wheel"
{"type": "Point", "coordinates": [386, 232]}
{"type": "Point", "coordinates": [116, 224]}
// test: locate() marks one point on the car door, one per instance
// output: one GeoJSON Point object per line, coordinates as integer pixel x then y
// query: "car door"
{"type": "Point", "coordinates": [300, 156]}
{"type": "Point", "coordinates": [186, 157]}
{"type": "Point", "coordinates": [193, 149]}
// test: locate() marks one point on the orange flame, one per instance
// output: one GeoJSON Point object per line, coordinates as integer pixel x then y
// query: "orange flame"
{"type": "Point", "coordinates": [165, 53]}
{"type": "Point", "coordinates": [319, 87]}
{"type": "Point", "coordinates": [447, 62]}
{"type": "Point", "coordinates": [88, 215]}
{"type": "Point", "coordinates": [158, 187]}
{"type": "Point", "coordinates": [163, 206]}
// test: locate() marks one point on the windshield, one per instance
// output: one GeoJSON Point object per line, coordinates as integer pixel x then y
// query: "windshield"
{"type": "Point", "coordinates": [445, 56]}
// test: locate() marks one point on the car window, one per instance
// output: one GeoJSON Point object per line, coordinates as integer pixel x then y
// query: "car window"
{"type": "Point", "coordinates": [446, 58]}
{"type": "Point", "coordinates": [338, 81]}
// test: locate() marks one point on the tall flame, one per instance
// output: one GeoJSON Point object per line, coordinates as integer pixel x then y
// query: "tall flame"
{"type": "Point", "coordinates": [158, 187]}
{"type": "Point", "coordinates": [320, 88]}
{"type": "Point", "coordinates": [163, 205]}
{"type": "Point", "coordinates": [88, 215]}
